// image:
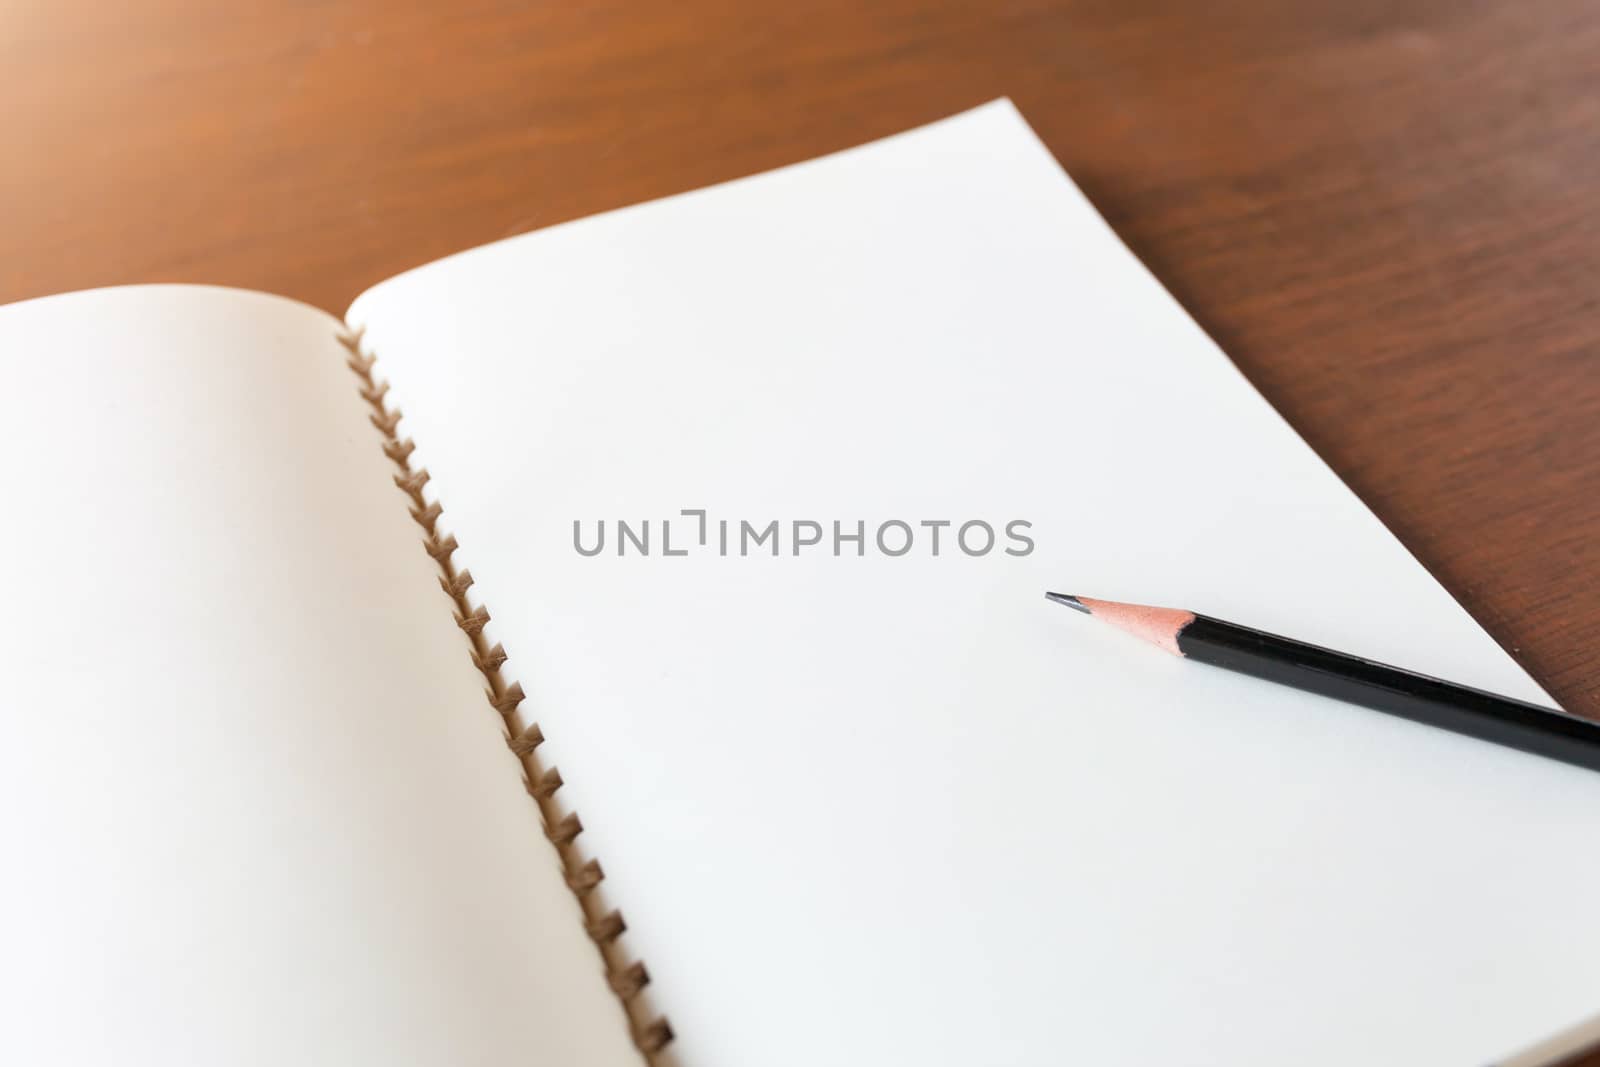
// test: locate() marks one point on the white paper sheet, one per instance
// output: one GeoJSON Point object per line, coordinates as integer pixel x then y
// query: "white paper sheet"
{"type": "Point", "coordinates": [254, 808]}
{"type": "Point", "coordinates": [903, 810]}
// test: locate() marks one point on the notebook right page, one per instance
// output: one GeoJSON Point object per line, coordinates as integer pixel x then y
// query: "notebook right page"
{"type": "Point", "coordinates": [723, 466]}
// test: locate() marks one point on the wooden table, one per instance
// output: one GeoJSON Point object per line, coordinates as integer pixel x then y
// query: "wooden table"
{"type": "Point", "coordinates": [1385, 210]}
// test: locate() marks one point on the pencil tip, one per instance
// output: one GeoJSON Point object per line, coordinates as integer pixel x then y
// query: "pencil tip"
{"type": "Point", "coordinates": [1069, 600]}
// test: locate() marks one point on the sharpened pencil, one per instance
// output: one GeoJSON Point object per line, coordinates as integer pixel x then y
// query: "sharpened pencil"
{"type": "Point", "coordinates": [1418, 697]}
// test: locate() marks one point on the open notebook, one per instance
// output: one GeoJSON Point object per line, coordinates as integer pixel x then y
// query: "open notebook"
{"type": "Point", "coordinates": [864, 796]}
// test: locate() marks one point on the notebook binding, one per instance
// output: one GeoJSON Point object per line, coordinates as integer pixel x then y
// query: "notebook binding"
{"type": "Point", "coordinates": [627, 978]}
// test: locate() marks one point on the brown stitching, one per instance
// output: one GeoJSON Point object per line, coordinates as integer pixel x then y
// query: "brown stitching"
{"type": "Point", "coordinates": [652, 1038]}
{"type": "Point", "coordinates": [525, 742]}
{"type": "Point", "coordinates": [412, 483]}
{"type": "Point", "coordinates": [608, 927]}
{"type": "Point", "coordinates": [586, 877]}
{"type": "Point", "coordinates": [457, 587]}
{"type": "Point", "coordinates": [490, 660]}
{"type": "Point", "coordinates": [473, 622]}
{"type": "Point", "coordinates": [506, 702]}
{"type": "Point", "coordinates": [545, 785]}
{"type": "Point", "coordinates": [627, 982]}
{"type": "Point", "coordinates": [626, 978]}
{"type": "Point", "coordinates": [386, 421]}
{"type": "Point", "coordinates": [438, 548]}
{"type": "Point", "coordinates": [562, 833]}
{"type": "Point", "coordinates": [428, 515]}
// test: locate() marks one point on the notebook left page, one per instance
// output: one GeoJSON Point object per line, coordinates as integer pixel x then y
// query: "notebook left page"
{"type": "Point", "coordinates": [253, 806]}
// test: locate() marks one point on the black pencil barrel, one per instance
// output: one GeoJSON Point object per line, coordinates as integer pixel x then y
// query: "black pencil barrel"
{"type": "Point", "coordinates": [1486, 716]}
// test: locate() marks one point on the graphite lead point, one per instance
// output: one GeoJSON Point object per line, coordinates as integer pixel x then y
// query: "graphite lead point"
{"type": "Point", "coordinates": [1069, 600]}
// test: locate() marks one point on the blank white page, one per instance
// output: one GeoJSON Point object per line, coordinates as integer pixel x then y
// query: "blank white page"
{"type": "Point", "coordinates": [254, 808]}
{"type": "Point", "coordinates": [871, 810]}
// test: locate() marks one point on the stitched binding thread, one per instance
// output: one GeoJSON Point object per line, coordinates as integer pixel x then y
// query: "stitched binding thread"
{"type": "Point", "coordinates": [627, 978]}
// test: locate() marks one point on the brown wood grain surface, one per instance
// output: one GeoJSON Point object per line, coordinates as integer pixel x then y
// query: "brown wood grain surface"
{"type": "Point", "coordinates": [1384, 210]}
